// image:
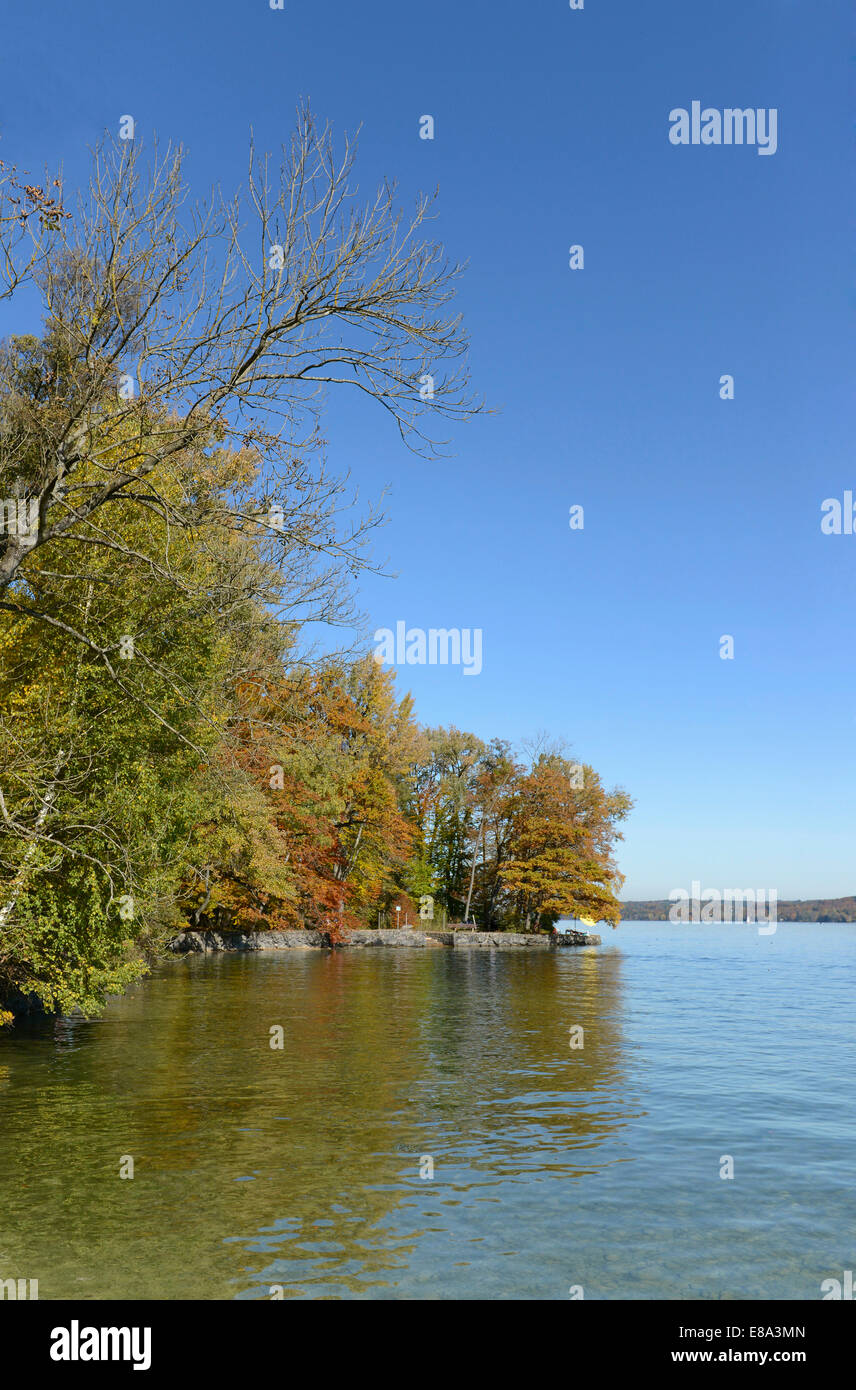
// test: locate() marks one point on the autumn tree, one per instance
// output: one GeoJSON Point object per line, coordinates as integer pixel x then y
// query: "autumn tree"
{"type": "Point", "coordinates": [563, 828]}
{"type": "Point", "coordinates": [512, 840]}
{"type": "Point", "coordinates": [168, 525]}
{"type": "Point", "coordinates": [165, 318]}
{"type": "Point", "coordinates": [322, 758]}
{"type": "Point", "coordinates": [492, 795]}
{"type": "Point", "coordinates": [442, 805]}
{"type": "Point", "coordinates": [27, 209]}
{"type": "Point", "coordinates": [108, 714]}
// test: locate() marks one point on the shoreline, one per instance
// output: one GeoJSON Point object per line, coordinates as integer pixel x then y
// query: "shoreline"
{"type": "Point", "coordinates": [402, 938]}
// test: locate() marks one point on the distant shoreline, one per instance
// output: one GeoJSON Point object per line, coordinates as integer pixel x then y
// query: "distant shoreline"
{"type": "Point", "coordinates": [817, 910]}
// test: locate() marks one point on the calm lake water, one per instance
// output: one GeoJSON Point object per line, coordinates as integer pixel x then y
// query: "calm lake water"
{"type": "Point", "coordinates": [553, 1166]}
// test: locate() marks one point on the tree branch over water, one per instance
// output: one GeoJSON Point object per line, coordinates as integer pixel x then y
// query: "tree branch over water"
{"type": "Point", "coordinates": [166, 319]}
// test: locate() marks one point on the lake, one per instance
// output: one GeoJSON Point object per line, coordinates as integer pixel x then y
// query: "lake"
{"type": "Point", "coordinates": [594, 1167]}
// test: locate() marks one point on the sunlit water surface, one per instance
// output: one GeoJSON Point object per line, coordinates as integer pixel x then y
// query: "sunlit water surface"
{"type": "Point", "coordinates": [553, 1166]}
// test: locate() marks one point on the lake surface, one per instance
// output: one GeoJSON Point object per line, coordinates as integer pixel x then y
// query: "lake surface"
{"type": "Point", "coordinates": [553, 1166]}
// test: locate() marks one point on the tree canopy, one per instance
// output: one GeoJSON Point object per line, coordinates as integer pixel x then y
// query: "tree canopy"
{"type": "Point", "coordinates": [172, 752]}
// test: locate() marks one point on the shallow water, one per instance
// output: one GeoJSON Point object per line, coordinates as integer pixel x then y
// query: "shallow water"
{"type": "Point", "coordinates": [553, 1167]}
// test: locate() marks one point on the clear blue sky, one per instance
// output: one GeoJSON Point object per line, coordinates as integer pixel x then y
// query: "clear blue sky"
{"type": "Point", "coordinates": [702, 517]}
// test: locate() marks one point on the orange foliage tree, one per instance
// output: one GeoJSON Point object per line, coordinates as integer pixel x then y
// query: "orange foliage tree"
{"type": "Point", "coordinates": [313, 832]}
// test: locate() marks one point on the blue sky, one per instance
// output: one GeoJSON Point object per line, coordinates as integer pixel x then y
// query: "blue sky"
{"type": "Point", "coordinates": [702, 516]}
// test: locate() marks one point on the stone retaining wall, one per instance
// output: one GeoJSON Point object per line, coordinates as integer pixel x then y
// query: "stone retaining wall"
{"type": "Point", "coordinates": [400, 937]}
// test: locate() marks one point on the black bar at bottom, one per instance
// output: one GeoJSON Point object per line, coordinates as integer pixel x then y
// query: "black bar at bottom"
{"type": "Point", "coordinates": [88, 1339]}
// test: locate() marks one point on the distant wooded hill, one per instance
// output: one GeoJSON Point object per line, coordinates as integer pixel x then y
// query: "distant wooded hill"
{"type": "Point", "coordinates": [810, 910]}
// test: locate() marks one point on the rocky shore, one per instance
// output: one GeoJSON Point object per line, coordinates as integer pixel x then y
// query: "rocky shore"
{"type": "Point", "coordinates": [401, 937]}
